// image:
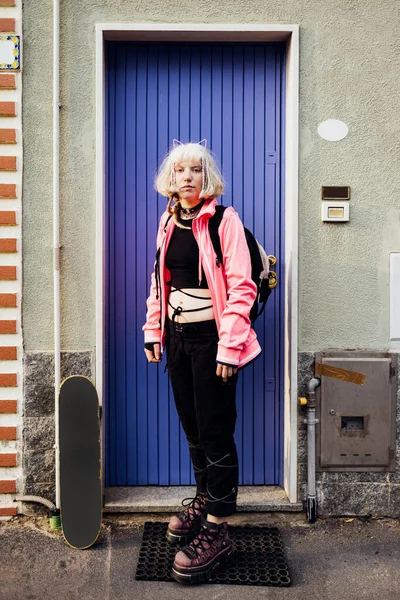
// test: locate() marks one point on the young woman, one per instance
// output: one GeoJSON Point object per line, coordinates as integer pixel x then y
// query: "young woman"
{"type": "Point", "coordinates": [199, 311]}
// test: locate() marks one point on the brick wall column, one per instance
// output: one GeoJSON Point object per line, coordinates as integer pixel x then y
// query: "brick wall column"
{"type": "Point", "coordinates": [10, 272]}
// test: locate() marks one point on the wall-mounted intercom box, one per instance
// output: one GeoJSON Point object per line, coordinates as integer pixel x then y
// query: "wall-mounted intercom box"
{"type": "Point", "coordinates": [356, 408]}
{"type": "Point", "coordinates": [335, 211]}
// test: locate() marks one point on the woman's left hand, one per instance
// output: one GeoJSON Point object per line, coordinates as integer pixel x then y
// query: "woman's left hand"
{"type": "Point", "coordinates": [225, 371]}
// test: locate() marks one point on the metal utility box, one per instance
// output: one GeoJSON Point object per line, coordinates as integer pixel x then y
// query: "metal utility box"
{"type": "Point", "coordinates": [356, 408]}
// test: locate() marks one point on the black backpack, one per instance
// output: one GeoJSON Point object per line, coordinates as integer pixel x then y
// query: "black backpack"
{"type": "Point", "coordinates": [264, 279]}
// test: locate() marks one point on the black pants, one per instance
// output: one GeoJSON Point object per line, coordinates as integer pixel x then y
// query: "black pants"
{"type": "Point", "coordinates": [207, 410]}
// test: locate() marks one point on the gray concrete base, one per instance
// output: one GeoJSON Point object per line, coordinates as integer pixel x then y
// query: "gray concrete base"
{"type": "Point", "coordinates": [143, 499]}
{"type": "Point", "coordinates": [332, 559]}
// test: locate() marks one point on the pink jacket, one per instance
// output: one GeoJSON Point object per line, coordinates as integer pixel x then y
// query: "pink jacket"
{"type": "Point", "coordinates": [232, 289]}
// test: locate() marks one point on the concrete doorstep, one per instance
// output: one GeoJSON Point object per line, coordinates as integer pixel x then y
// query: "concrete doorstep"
{"type": "Point", "coordinates": [333, 559]}
{"type": "Point", "coordinates": [139, 499]}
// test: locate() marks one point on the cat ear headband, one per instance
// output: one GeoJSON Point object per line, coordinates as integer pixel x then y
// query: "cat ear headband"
{"type": "Point", "coordinates": [176, 143]}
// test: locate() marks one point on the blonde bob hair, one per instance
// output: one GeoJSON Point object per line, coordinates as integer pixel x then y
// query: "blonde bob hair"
{"type": "Point", "coordinates": [213, 184]}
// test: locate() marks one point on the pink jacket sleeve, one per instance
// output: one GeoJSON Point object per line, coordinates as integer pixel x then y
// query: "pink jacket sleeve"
{"type": "Point", "coordinates": [241, 290]}
{"type": "Point", "coordinates": [152, 330]}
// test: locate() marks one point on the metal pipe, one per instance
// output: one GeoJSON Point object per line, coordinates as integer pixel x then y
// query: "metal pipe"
{"type": "Point", "coordinates": [311, 421]}
{"type": "Point", "coordinates": [56, 230]}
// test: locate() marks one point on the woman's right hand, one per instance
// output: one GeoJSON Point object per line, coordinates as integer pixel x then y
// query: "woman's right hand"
{"type": "Point", "coordinates": [226, 372]}
{"type": "Point", "coordinates": [153, 352]}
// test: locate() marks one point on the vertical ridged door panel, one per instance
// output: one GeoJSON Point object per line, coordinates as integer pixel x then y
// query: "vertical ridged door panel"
{"type": "Point", "coordinates": [232, 95]}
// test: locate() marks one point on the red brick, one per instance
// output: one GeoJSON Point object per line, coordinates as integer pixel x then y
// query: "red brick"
{"type": "Point", "coordinates": [8, 407]}
{"type": "Point", "coordinates": [8, 163]}
{"type": "Point", "coordinates": [8, 511]}
{"type": "Point", "coordinates": [7, 486]}
{"type": "Point", "coordinates": [8, 301]}
{"type": "Point", "coordinates": [8, 326]}
{"type": "Point", "coordinates": [7, 82]}
{"type": "Point", "coordinates": [8, 245]}
{"type": "Point", "coordinates": [8, 460]}
{"type": "Point", "coordinates": [8, 353]}
{"type": "Point", "coordinates": [8, 136]}
{"type": "Point", "coordinates": [8, 190]}
{"type": "Point", "coordinates": [7, 25]}
{"type": "Point", "coordinates": [8, 433]}
{"type": "Point", "coordinates": [8, 273]}
{"type": "Point", "coordinates": [7, 109]}
{"type": "Point", "coordinates": [8, 217]}
{"type": "Point", "coordinates": [8, 380]}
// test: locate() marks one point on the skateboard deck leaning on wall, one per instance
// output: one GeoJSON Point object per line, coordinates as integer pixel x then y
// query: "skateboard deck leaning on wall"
{"type": "Point", "coordinates": [81, 501]}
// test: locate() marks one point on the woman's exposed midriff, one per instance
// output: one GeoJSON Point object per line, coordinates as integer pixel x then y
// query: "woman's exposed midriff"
{"type": "Point", "coordinates": [196, 301]}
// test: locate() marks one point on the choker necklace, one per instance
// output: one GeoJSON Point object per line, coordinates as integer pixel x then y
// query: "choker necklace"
{"type": "Point", "coordinates": [188, 217]}
{"type": "Point", "coordinates": [190, 213]}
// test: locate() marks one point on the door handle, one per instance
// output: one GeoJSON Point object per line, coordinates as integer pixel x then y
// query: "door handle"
{"type": "Point", "coordinates": [272, 276]}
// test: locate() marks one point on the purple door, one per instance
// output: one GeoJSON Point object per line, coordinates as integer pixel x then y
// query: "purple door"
{"type": "Point", "coordinates": [232, 95]}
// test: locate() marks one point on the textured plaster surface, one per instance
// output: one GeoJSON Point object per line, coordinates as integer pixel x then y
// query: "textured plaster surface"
{"type": "Point", "coordinates": [349, 64]}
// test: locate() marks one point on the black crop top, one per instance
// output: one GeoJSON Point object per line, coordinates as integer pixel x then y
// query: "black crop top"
{"type": "Point", "coordinates": [182, 259]}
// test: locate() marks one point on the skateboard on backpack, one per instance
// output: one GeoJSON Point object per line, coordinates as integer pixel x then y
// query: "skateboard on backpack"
{"type": "Point", "coordinates": [81, 501]}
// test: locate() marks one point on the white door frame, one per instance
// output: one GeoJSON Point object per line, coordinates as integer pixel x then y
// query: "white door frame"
{"type": "Point", "coordinates": [217, 33]}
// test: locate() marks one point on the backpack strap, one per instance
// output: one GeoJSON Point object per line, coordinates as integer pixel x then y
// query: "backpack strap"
{"type": "Point", "coordinates": [213, 225]}
{"type": "Point", "coordinates": [166, 223]}
{"type": "Point", "coordinates": [157, 263]}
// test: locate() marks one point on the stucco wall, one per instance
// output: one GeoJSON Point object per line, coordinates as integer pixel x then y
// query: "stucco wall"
{"type": "Point", "coordinates": [349, 65]}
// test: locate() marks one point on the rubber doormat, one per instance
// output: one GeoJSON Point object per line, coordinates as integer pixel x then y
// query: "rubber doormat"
{"type": "Point", "coordinates": [258, 557]}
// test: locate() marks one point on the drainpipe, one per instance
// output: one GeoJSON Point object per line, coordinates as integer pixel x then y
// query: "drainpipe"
{"type": "Point", "coordinates": [54, 510]}
{"type": "Point", "coordinates": [56, 230]}
{"type": "Point", "coordinates": [311, 421]}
